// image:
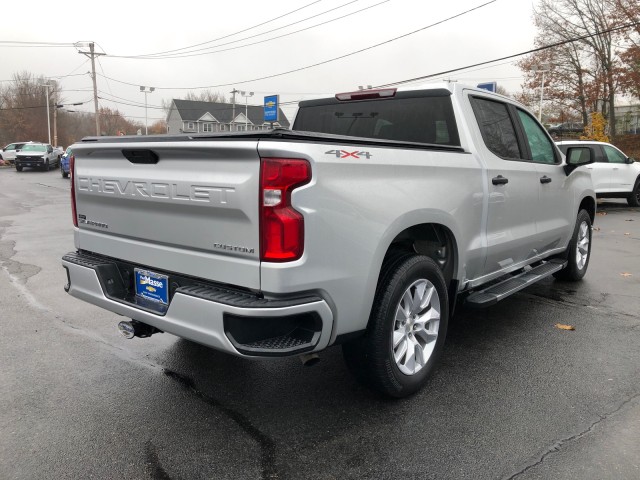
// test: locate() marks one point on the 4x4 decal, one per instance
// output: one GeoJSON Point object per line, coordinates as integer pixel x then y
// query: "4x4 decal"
{"type": "Point", "coordinates": [346, 154]}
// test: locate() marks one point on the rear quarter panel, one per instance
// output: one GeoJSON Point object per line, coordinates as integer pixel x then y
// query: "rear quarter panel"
{"type": "Point", "coordinates": [355, 207]}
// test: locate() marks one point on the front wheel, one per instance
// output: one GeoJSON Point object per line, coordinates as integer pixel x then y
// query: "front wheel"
{"type": "Point", "coordinates": [18, 168]}
{"type": "Point", "coordinates": [579, 250]}
{"type": "Point", "coordinates": [634, 199]}
{"type": "Point", "coordinates": [62, 172]}
{"type": "Point", "coordinates": [407, 327]}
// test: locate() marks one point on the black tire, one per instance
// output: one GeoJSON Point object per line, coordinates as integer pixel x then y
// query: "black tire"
{"type": "Point", "coordinates": [634, 199]}
{"type": "Point", "coordinates": [63, 173]}
{"type": "Point", "coordinates": [372, 357]}
{"type": "Point", "coordinates": [578, 251]}
{"type": "Point", "coordinates": [18, 168]}
{"type": "Point", "coordinates": [46, 166]}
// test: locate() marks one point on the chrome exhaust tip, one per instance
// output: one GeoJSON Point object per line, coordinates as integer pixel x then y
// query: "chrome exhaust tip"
{"type": "Point", "coordinates": [127, 330]}
{"type": "Point", "coordinates": [309, 359]}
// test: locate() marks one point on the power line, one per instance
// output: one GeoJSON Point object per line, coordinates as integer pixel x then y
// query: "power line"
{"type": "Point", "coordinates": [508, 57]}
{"type": "Point", "coordinates": [209, 51]}
{"type": "Point", "coordinates": [319, 63]}
{"type": "Point", "coordinates": [128, 104]}
{"type": "Point", "coordinates": [16, 44]}
{"type": "Point", "coordinates": [236, 33]}
{"type": "Point", "coordinates": [23, 108]}
{"type": "Point", "coordinates": [132, 103]}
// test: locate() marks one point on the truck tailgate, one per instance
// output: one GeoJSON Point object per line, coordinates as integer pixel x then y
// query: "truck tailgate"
{"type": "Point", "coordinates": [195, 211]}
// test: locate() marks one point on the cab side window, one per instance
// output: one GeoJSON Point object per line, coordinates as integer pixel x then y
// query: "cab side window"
{"type": "Point", "coordinates": [542, 150]}
{"type": "Point", "coordinates": [613, 155]}
{"type": "Point", "coordinates": [497, 130]}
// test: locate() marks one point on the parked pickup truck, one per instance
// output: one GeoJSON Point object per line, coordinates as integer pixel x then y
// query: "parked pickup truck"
{"type": "Point", "coordinates": [361, 227]}
{"type": "Point", "coordinates": [37, 155]}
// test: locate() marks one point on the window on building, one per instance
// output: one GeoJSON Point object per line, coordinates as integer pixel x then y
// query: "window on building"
{"type": "Point", "coordinates": [207, 127]}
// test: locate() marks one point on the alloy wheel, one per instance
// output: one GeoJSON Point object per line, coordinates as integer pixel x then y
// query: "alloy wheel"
{"type": "Point", "coordinates": [416, 326]}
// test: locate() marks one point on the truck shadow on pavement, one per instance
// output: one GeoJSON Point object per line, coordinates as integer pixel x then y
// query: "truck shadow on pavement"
{"type": "Point", "coordinates": [496, 366]}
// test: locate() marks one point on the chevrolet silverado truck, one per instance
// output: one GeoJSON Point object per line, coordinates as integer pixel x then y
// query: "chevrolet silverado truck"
{"type": "Point", "coordinates": [361, 226]}
{"type": "Point", "coordinates": [37, 155]}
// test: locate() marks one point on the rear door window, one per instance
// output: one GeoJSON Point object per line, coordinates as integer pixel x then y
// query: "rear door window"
{"type": "Point", "coordinates": [496, 126]}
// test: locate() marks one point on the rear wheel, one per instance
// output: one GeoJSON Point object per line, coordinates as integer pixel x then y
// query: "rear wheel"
{"type": "Point", "coordinates": [634, 199]}
{"type": "Point", "coordinates": [407, 327]}
{"type": "Point", "coordinates": [579, 250]}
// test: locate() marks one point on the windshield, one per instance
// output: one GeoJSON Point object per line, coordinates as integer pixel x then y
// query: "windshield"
{"type": "Point", "coordinates": [30, 147]}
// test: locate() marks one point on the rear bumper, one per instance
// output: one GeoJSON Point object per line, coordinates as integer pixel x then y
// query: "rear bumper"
{"type": "Point", "coordinates": [233, 321]}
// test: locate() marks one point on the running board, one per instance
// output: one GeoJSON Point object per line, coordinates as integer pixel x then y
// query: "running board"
{"type": "Point", "coordinates": [499, 291]}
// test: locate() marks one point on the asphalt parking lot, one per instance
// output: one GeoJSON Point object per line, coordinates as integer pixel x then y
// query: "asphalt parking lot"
{"type": "Point", "coordinates": [514, 396]}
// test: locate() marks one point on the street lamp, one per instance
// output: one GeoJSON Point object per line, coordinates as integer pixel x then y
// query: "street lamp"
{"type": "Point", "coordinates": [246, 96]}
{"type": "Point", "coordinates": [47, 86]}
{"type": "Point", "coordinates": [544, 68]}
{"type": "Point", "coordinates": [146, 90]}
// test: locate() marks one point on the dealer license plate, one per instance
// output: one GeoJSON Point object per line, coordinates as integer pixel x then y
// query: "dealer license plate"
{"type": "Point", "coordinates": [152, 286]}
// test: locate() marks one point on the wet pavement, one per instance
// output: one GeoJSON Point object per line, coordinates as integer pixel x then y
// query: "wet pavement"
{"type": "Point", "coordinates": [514, 396]}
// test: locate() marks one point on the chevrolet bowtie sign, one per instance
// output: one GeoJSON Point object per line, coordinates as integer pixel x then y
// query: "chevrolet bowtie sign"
{"type": "Point", "coordinates": [271, 109]}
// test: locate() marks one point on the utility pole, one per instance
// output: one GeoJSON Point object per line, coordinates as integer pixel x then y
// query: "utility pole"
{"type": "Point", "coordinates": [47, 86]}
{"type": "Point", "coordinates": [246, 95]}
{"type": "Point", "coordinates": [55, 118]}
{"type": "Point", "coordinates": [92, 54]}
{"type": "Point", "coordinates": [233, 113]}
{"type": "Point", "coordinates": [146, 90]}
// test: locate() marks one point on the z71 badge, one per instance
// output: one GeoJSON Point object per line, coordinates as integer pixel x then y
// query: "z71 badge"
{"type": "Point", "coordinates": [346, 154]}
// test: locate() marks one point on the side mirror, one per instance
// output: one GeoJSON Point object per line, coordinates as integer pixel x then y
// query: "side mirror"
{"type": "Point", "coordinates": [578, 157]}
{"type": "Point", "coordinates": [630, 160]}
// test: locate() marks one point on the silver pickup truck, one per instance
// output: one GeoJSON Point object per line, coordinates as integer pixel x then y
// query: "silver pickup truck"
{"type": "Point", "coordinates": [362, 226]}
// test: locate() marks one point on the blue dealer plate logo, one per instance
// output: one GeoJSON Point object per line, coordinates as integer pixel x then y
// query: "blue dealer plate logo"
{"type": "Point", "coordinates": [152, 286]}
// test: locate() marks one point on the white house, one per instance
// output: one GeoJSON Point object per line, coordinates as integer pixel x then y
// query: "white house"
{"type": "Point", "coordinates": [189, 116]}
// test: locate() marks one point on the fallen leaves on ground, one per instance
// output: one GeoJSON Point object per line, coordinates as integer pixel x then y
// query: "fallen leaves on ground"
{"type": "Point", "coordinates": [627, 234]}
{"type": "Point", "coordinates": [627, 274]}
{"type": "Point", "coordinates": [629, 220]}
{"type": "Point", "coordinates": [601, 213]}
{"type": "Point", "coordinates": [597, 229]}
{"type": "Point", "coordinates": [565, 327]}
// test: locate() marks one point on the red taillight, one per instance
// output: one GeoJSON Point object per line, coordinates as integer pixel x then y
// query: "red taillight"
{"type": "Point", "coordinates": [281, 226]}
{"type": "Point", "coordinates": [366, 94]}
{"type": "Point", "coordinates": [72, 173]}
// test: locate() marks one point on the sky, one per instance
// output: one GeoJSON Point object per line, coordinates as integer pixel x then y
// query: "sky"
{"type": "Point", "coordinates": [324, 47]}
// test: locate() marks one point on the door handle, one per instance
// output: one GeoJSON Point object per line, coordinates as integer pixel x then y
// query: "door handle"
{"type": "Point", "coordinates": [499, 180]}
{"type": "Point", "coordinates": [545, 179]}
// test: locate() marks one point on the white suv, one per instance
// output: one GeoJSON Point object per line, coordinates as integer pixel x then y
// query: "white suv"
{"type": "Point", "coordinates": [8, 153]}
{"type": "Point", "coordinates": [614, 174]}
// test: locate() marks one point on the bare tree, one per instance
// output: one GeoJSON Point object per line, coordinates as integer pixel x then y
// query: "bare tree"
{"type": "Point", "coordinates": [582, 76]}
{"type": "Point", "coordinates": [206, 96]}
{"type": "Point", "coordinates": [628, 11]}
